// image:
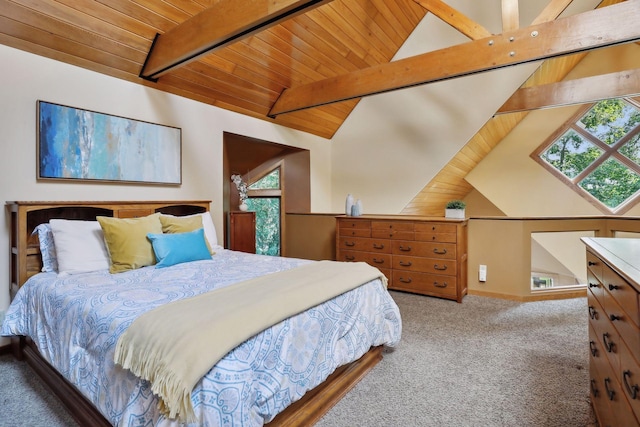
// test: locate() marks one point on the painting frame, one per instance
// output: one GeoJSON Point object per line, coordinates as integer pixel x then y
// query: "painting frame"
{"type": "Point", "coordinates": [79, 145]}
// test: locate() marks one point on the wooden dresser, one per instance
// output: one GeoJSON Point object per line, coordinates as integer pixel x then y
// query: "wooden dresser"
{"type": "Point", "coordinates": [423, 255]}
{"type": "Point", "coordinates": [613, 272]}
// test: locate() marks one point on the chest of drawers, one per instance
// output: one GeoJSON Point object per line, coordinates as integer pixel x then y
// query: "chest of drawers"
{"type": "Point", "coordinates": [421, 255]}
{"type": "Point", "coordinates": [614, 329]}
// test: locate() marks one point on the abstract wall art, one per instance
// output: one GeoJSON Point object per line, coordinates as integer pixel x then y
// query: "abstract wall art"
{"type": "Point", "coordinates": [77, 144]}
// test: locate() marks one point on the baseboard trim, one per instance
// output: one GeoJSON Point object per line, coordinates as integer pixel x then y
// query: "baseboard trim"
{"type": "Point", "coordinates": [542, 296]}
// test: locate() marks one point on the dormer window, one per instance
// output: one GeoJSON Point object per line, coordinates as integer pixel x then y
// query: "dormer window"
{"type": "Point", "coordinates": [598, 154]}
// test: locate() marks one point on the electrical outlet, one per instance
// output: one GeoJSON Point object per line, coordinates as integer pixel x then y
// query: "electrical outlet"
{"type": "Point", "coordinates": [482, 273]}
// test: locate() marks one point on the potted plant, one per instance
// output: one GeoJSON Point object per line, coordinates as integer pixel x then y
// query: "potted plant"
{"type": "Point", "coordinates": [455, 209]}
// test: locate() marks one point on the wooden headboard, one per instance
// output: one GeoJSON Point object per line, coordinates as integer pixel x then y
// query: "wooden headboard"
{"type": "Point", "coordinates": [26, 259]}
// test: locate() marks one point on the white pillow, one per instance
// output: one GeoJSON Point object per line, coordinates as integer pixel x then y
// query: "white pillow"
{"type": "Point", "coordinates": [80, 246]}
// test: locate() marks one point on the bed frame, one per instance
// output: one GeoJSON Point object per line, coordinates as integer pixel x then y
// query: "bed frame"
{"type": "Point", "coordinates": [26, 261]}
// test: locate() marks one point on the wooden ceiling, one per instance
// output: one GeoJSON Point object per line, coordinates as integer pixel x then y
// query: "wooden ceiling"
{"type": "Point", "coordinates": [301, 64]}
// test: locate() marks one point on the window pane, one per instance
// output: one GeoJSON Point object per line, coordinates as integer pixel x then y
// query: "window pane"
{"type": "Point", "coordinates": [611, 183]}
{"type": "Point", "coordinates": [571, 154]}
{"type": "Point", "coordinates": [269, 182]}
{"type": "Point", "coordinates": [632, 149]}
{"type": "Point", "coordinates": [610, 120]}
{"type": "Point", "coordinates": [267, 224]}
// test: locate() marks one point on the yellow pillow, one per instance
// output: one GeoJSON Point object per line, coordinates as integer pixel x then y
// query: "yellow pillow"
{"type": "Point", "coordinates": [127, 243]}
{"type": "Point", "coordinates": [182, 224]}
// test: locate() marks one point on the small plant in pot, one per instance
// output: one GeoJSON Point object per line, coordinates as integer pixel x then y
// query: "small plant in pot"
{"type": "Point", "coordinates": [455, 209]}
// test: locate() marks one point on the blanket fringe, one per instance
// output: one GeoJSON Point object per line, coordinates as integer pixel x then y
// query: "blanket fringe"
{"type": "Point", "coordinates": [164, 382]}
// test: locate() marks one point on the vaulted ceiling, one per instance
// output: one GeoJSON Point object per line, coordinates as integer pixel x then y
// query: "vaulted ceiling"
{"type": "Point", "coordinates": [301, 64]}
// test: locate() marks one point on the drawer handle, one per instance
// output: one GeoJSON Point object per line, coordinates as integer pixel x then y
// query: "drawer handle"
{"type": "Point", "coordinates": [442, 252]}
{"type": "Point", "coordinates": [594, 349]}
{"type": "Point", "coordinates": [593, 313]}
{"type": "Point", "coordinates": [350, 257]}
{"type": "Point", "coordinates": [440, 285]}
{"type": "Point", "coordinates": [632, 390]}
{"type": "Point", "coordinates": [437, 267]}
{"type": "Point", "coordinates": [378, 261]}
{"type": "Point", "coordinates": [607, 344]}
{"type": "Point", "coordinates": [592, 263]}
{"type": "Point", "coordinates": [377, 246]}
{"type": "Point", "coordinates": [594, 388]}
{"type": "Point", "coordinates": [613, 317]}
{"type": "Point", "coordinates": [610, 393]}
{"type": "Point", "coordinates": [349, 243]}
{"type": "Point", "coordinates": [405, 280]}
{"type": "Point", "coordinates": [613, 287]}
{"type": "Point", "coordinates": [593, 285]}
{"type": "Point", "coordinates": [405, 248]}
{"type": "Point", "coordinates": [406, 264]}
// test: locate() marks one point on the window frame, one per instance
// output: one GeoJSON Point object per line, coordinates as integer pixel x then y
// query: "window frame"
{"type": "Point", "coordinates": [608, 152]}
{"type": "Point", "coordinates": [271, 193]}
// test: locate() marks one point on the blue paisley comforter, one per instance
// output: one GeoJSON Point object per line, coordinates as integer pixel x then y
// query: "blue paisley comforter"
{"type": "Point", "coordinates": [76, 321]}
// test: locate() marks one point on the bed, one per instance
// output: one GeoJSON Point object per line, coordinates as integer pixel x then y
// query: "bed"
{"type": "Point", "coordinates": [288, 374]}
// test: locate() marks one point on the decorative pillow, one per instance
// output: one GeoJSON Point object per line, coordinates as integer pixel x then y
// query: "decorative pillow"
{"type": "Point", "coordinates": [181, 224]}
{"type": "Point", "coordinates": [171, 249]}
{"type": "Point", "coordinates": [79, 246]}
{"type": "Point", "coordinates": [47, 248]}
{"type": "Point", "coordinates": [127, 242]}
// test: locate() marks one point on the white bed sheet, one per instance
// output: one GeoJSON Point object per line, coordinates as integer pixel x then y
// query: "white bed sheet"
{"type": "Point", "coordinates": [76, 321]}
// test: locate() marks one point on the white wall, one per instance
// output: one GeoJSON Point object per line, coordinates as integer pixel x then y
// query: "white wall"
{"type": "Point", "coordinates": [26, 78]}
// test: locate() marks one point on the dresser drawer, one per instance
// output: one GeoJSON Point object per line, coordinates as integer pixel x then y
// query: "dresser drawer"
{"type": "Point", "coordinates": [392, 230]}
{"type": "Point", "coordinates": [623, 292]}
{"type": "Point", "coordinates": [430, 284]}
{"type": "Point", "coordinates": [622, 323]}
{"type": "Point", "coordinates": [354, 223]}
{"type": "Point", "coordinates": [629, 377]}
{"type": "Point", "coordinates": [355, 232]}
{"type": "Point", "coordinates": [594, 265]}
{"type": "Point", "coordinates": [424, 249]}
{"type": "Point", "coordinates": [426, 265]}
{"type": "Point", "coordinates": [377, 260]}
{"type": "Point", "coordinates": [436, 232]}
{"type": "Point", "coordinates": [364, 244]}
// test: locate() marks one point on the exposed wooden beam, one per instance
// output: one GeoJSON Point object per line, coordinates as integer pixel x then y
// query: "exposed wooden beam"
{"type": "Point", "coordinates": [578, 91]}
{"type": "Point", "coordinates": [551, 11]}
{"type": "Point", "coordinates": [457, 20]}
{"type": "Point", "coordinates": [510, 15]}
{"type": "Point", "coordinates": [598, 28]}
{"type": "Point", "coordinates": [225, 22]}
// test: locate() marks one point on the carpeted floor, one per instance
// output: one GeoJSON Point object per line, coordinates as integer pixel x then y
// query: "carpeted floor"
{"type": "Point", "coordinates": [485, 362]}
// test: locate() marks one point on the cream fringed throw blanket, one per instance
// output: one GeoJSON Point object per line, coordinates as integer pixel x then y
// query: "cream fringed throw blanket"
{"type": "Point", "coordinates": [175, 345]}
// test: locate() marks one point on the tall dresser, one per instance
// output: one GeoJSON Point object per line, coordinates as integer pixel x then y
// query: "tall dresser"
{"type": "Point", "coordinates": [423, 255]}
{"type": "Point", "coordinates": [613, 272]}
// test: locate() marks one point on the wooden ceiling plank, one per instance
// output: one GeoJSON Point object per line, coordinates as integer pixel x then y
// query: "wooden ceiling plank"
{"type": "Point", "coordinates": [37, 36]}
{"type": "Point", "coordinates": [225, 22]}
{"type": "Point", "coordinates": [577, 91]}
{"type": "Point", "coordinates": [455, 19]}
{"type": "Point", "coordinates": [369, 9]}
{"type": "Point", "coordinates": [189, 7]}
{"type": "Point", "coordinates": [372, 34]}
{"type": "Point", "coordinates": [413, 11]}
{"type": "Point", "coordinates": [355, 42]}
{"type": "Point", "coordinates": [321, 36]}
{"type": "Point", "coordinates": [136, 18]}
{"type": "Point", "coordinates": [325, 53]}
{"type": "Point", "coordinates": [393, 13]}
{"type": "Point", "coordinates": [165, 9]}
{"type": "Point", "coordinates": [105, 25]}
{"type": "Point", "coordinates": [586, 31]}
{"type": "Point", "coordinates": [510, 15]}
{"type": "Point", "coordinates": [71, 32]}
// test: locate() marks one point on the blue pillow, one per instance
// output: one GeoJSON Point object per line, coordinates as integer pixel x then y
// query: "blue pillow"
{"type": "Point", "coordinates": [47, 248]}
{"type": "Point", "coordinates": [171, 249]}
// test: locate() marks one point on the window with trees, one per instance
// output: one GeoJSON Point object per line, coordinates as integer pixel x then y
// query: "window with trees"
{"type": "Point", "coordinates": [265, 199]}
{"type": "Point", "coordinates": [598, 153]}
